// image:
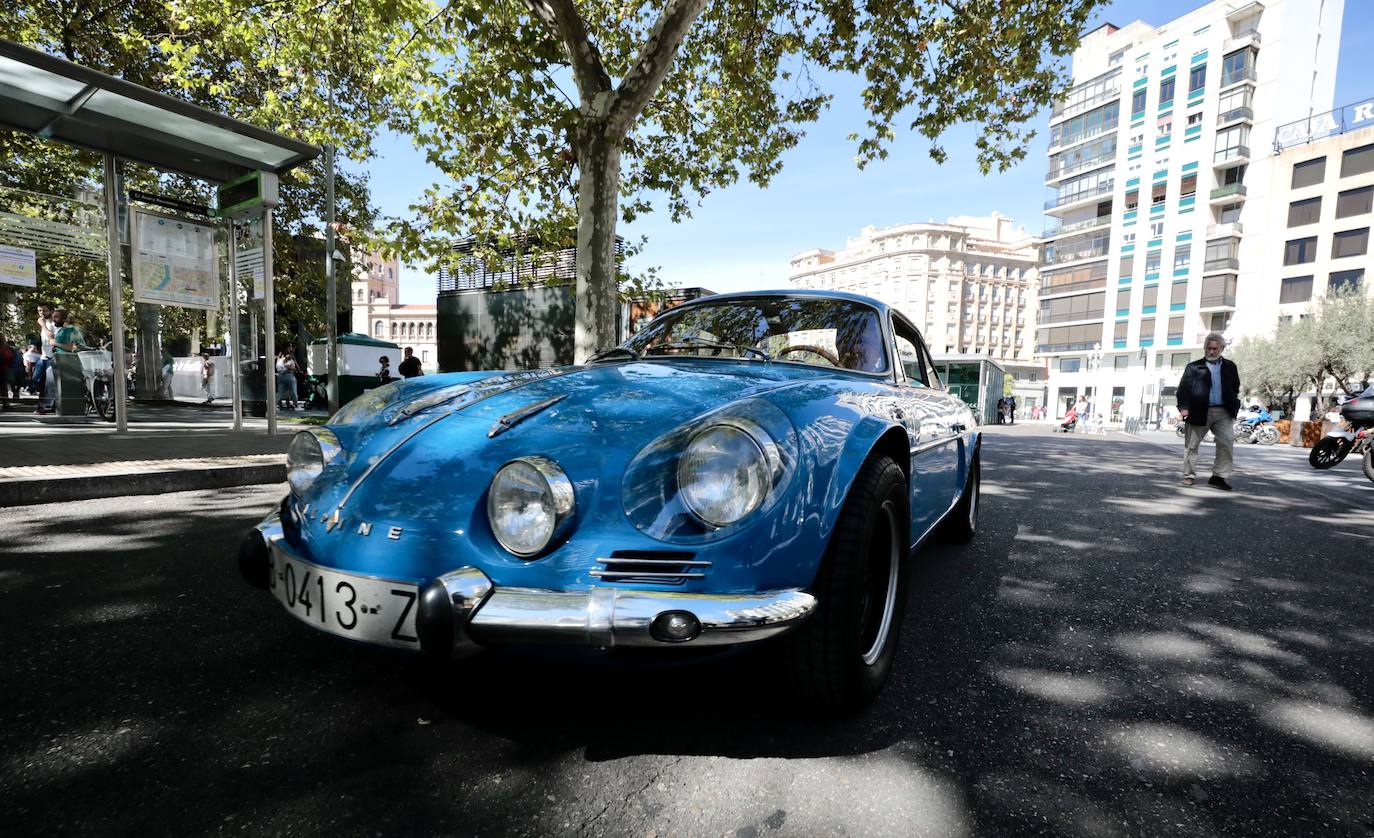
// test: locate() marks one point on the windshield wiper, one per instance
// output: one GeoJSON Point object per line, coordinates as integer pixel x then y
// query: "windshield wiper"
{"type": "Point", "coordinates": [694, 343]}
{"type": "Point", "coordinates": [614, 351]}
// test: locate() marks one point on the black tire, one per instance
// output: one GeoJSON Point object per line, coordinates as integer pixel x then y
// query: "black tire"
{"type": "Point", "coordinates": [100, 399]}
{"type": "Point", "coordinates": [1267, 435]}
{"type": "Point", "coordinates": [841, 657]}
{"type": "Point", "coordinates": [962, 522]}
{"type": "Point", "coordinates": [1328, 452]}
{"type": "Point", "coordinates": [1369, 463]}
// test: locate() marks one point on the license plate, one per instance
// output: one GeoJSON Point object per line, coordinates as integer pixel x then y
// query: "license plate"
{"type": "Point", "coordinates": [366, 608]}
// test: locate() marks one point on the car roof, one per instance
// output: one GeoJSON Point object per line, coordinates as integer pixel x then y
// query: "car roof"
{"type": "Point", "coordinates": [790, 292]}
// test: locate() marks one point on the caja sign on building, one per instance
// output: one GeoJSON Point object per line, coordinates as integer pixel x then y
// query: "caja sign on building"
{"type": "Point", "coordinates": [1329, 124]}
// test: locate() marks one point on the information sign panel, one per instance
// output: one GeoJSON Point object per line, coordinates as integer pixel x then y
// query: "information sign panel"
{"type": "Point", "coordinates": [175, 262]}
{"type": "Point", "coordinates": [18, 266]}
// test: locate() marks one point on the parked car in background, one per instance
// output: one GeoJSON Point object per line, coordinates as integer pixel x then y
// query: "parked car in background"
{"type": "Point", "coordinates": [746, 466]}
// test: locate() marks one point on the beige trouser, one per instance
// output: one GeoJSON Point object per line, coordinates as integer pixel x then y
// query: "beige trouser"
{"type": "Point", "coordinates": [1220, 423]}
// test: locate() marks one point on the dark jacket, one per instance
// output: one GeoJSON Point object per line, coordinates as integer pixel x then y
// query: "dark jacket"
{"type": "Point", "coordinates": [1195, 390]}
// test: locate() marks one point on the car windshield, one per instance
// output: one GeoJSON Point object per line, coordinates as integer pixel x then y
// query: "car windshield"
{"type": "Point", "coordinates": [818, 331]}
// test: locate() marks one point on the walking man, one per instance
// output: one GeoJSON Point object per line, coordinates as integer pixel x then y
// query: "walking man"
{"type": "Point", "coordinates": [1208, 400]}
{"type": "Point", "coordinates": [207, 377]}
{"type": "Point", "coordinates": [410, 365]}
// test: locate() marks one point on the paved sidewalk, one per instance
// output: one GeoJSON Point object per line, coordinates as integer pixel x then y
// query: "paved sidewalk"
{"type": "Point", "coordinates": [168, 448]}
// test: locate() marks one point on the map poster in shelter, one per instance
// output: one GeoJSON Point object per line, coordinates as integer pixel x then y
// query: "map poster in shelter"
{"type": "Point", "coordinates": [175, 262]}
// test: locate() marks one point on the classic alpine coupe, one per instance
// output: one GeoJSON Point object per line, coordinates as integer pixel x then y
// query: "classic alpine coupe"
{"type": "Point", "coordinates": [747, 465]}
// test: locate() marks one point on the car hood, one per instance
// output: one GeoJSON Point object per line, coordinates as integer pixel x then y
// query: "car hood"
{"type": "Point", "coordinates": [592, 420]}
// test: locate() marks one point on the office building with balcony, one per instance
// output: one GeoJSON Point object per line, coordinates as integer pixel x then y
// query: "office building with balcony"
{"type": "Point", "coordinates": [969, 284]}
{"type": "Point", "coordinates": [1157, 221]}
{"type": "Point", "coordinates": [1317, 225]}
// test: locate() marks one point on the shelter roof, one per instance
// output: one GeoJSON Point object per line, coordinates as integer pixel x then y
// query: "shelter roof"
{"type": "Point", "coordinates": [53, 98]}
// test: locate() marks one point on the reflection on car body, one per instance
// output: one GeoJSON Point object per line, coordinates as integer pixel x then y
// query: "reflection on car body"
{"type": "Point", "coordinates": [747, 466]}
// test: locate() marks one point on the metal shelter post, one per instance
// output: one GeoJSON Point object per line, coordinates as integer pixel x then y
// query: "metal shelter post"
{"type": "Point", "coordinates": [235, 336]}
{"type": "Point", "coordinates": [269, 305]}
{"type": "Point", "coordinates": [331, 316]}
{"type": "Point", "coordinates": [114, 196]}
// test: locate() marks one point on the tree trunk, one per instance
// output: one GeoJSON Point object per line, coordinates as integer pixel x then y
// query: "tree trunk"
{"type": "Point", "coordinates": [598, 209]}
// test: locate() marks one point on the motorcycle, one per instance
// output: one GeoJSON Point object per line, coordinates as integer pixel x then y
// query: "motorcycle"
{"type": "Point", "coordinates": [1355, 437]}
{"type": "Point", "coordinates": [1258, 427]}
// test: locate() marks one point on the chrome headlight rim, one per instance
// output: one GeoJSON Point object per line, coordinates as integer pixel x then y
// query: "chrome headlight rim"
{"type": "Point", "coordinates": [308, 454]}
{"type": "Point", "coordinates": [562, 501]}
{"type": "Point", "coordinates": [767, 463]}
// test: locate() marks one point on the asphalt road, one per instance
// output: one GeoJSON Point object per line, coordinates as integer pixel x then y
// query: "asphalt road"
{"type": "Point", "coordinates": [1113, 655]}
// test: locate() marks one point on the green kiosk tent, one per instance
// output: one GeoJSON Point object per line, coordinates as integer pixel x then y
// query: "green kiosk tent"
{"type": "Point", "coordinates": [359, 360]}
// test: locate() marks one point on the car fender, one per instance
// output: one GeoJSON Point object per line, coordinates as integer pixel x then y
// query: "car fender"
{"type": "Point", "coordinates": [869, 437]}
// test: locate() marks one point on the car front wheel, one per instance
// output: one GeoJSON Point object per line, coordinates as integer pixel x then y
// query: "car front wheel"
{"type": "Point", "coordinates": [842, 656]}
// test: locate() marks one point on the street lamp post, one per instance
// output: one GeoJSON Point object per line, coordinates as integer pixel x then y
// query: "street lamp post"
{"type": "Point", "coordinates": [1094, 364]}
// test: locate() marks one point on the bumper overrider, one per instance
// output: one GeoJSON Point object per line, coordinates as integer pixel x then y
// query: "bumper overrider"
{"type": "Point", "coordinates": [462, 611]}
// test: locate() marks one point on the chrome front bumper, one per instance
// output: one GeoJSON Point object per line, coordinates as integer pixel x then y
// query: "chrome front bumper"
{"type": "Point", "coordinates": [462, 611]}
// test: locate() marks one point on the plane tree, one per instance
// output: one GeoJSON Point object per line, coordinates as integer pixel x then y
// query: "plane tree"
{"type": "Point", "coordinates": [549, 115]}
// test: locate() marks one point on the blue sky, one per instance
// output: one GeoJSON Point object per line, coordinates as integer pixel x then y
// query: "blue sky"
{"type": "Point", "coordinates": [742, 237]}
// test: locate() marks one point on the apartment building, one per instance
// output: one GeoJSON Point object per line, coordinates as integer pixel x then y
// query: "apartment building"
{"type": "Point", "coordinates": [1160, 192]}
{"type": "Point", "coordinates": [1317, 227]}
{"type": "Point", "coordinates": [969, 284]}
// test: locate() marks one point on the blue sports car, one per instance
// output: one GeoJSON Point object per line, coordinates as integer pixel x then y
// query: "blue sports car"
{"type": "Point", "coordinates": [748, 465]}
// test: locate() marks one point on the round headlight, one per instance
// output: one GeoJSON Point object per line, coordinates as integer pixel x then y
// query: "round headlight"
{"type": "Point", "coordinates": [310, 451]}
{"type": "Point", "coordinates": [530, 502]}
{"type": "Point", "coordinates": [723, 475]}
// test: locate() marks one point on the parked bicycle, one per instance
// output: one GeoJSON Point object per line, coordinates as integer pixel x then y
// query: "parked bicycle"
{"type": "Point", "coordinates": [97, 372]}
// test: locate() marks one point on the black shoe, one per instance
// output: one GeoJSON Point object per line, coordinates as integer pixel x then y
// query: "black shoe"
{"type": "Point", "coordinates": [1220, 483]}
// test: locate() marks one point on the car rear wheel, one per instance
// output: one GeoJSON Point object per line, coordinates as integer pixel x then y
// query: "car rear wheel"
{"type": "Point", "coordinates": [842, 656]}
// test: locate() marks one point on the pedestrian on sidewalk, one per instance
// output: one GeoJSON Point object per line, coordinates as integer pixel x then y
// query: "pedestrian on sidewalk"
{"type": "Point", "coordinates": [410, 365]}
{"type": "Point", "coordinates": [7, 356]}
{"type": "Point", "coordinates": [286, 381]}
{"type": "Point", "coordinates": [1209, 399]}
{"type": "Point", "coordinates": [166, 364]}
{"type": "Point", "coordinates": [207, 377]}
{"type": "Point", "coordinates": [1011, 410]}
{"type": "Point", "coordinates": [42, 369]}
{"type": "Point", "coordinates": [384, 371]}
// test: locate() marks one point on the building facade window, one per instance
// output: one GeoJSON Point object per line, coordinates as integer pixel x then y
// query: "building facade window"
{"type": "Point", "coordinates": [1350, 243]}
{"type": "Point", "coordinates": [1357, 161]}
{"type": "Point", "coordinates": [1183, 256]}
{"type": "Point", "coordinates": [1304, 212]}
{"type": "Point", "coordinates": [1158, 193]}
{"type": "Point", "coordinates": [1232, 143]}
{"type": "Point", "coordinates": [1166, 92]}
{"type": "Point", "coordinates": [1237, 67]}
{"type": "Point", "coordinates": [1296, 289]}
{"type": "Point", "coordinates": [1345, 280]}
{"type": "Point", "coordinates": [1354, 202]}
{"type": "Point", "coordinates": [1308, 173]}
{"type": "Point", "coordinates": [1197, 78]}
{"type": "Point", "coordinates": [1150, 299]}
{"type": "Point", "coordinates": [1178, 294]}
{"type": "Point", "coordinates": [1300, 251]}
{"type": "Point", "coordinates": [1138, 102]}
{"type": "Point", "coordinates": [1187, 186]}
{"type": "Point", "coordinates": [1070, 364]}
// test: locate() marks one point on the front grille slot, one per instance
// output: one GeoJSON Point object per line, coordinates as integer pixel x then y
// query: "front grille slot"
{"type": "Point", "coordinates": [650, 567]}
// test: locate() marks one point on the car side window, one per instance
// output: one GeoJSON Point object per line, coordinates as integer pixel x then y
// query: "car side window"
{"type": "Point", "coordinates": [909, 357]}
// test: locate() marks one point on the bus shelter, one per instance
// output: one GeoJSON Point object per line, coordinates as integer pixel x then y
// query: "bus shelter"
{"type": "Point", "coordinates": [58, 100]}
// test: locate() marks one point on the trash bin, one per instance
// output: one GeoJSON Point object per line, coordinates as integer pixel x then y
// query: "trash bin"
{"type": "Point", "coordinates": [253, 386]}
{"type": "Point", "coordinates": [70, 381]}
